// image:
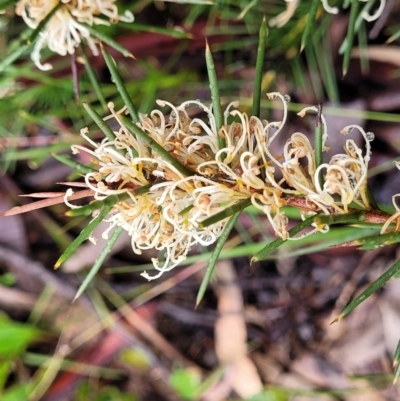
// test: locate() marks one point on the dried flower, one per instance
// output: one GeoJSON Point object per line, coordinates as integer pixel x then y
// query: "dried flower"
{"type": "Point", "coordinates": [66, 28]}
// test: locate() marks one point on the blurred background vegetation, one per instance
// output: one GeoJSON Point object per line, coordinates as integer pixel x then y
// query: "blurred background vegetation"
{"type": "Point", "coordinates": [127, 339]}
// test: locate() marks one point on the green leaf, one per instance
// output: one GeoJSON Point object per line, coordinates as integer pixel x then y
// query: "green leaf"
{"type": "Point", "coordinates": [85, 233]}
{"type": "Point", "coordinates": [95, 268]}
{"type": "Point", "coordinates": [215, 255]}
{"type": "Point", "coordinates": [215, 98]}
{"type": "Point", "coordinates": [229, 211]}
{"type": "Point", "coordinates": [116, 78]}
{"type": "Point", "coordinates": [310, 23]}
{"type": "Point", "coordinates": [110, 42]}
{"type": "Point", "coordinates": [378, 283]}
{"type": "Point", "coordinates": [64, 159]}
{"type": "Point", "coordinates": [259, 67]}
{"type": "Point", "coordinates": [186, 383]}
{"type": "Point", "coordinates": [107, 131]}
{"type": "Point", "coordinates": [91, 73]}
{"type": "Point", "coordinates": [376, 241]}
{"type": "Point", "coordinates": [350, 34]}
{"type": "Point", "coordinates": [279, 241]}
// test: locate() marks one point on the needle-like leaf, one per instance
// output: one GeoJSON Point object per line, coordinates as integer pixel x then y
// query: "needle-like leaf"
{"type": "Point", "coordinates": [107, 131]}
{"type": "Point", "coordinates": [110, 42]}
{"type": "Point", "coordinates": [229, 211]}
{"type": "Point", "coordinates": [310, 23]}
{"type": "Point", "coordinates": [214, 257]}
{"type": "Point", "coordinates": [378, 283]}
{"type": "Point", "coordinates": [259, 67]}
{"type": "Point", "coordinates": [99, 262]}
{"type": "Point", "coordinates": [215, 98]}
{"type": "Point", "coordinates": [350, 34]}
{"type": "Point", "coordinates": [85, 233]}
{"type": "Point", "coordinates": [116, 78]}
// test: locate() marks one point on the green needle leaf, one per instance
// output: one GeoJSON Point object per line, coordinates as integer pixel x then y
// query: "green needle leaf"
{"type": "Point", "coordinates": [95, 268]}
{"type": "Point", "coordinates": [229, 211]}
{"type": "Point", "coordinates": [108, 132]}
{"type": "Point", "coordinates": [74, 164]}
{"type": "Point", "coordinates": [310, 23]}
{"type": "Point", "coordinates": [85, 233]}
{"type": "Point", "coordinates": [348, 218]}
{"type": "Point", "coordinates": [216, 101]}
{"type": "Point", "coordinates": [279, 241]}
{"type": "Point", "coordinates": [378, 283]}
{"type": "Point", "coordinates": [259, 67]}
{"type": "Point", "coordinates": [376, 241]}
{"type": "Point", "coordinates": [134, 129]}
{"type": "Point", "coordinates": [93, 80]}
{"type": "Point", "coordinates": [350, 34]}
{"type": "Point", "coordinates": [116, 78]}
{"type": "Point", "coordinates": [110, 42]}
{"type": "Point", "coordinates": [214, 257]}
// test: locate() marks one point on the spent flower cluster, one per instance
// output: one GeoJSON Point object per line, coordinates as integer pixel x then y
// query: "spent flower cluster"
{"type": "Point", "coordinates": [168, 216]}
{"type": "Point", "coordinates": [66, 28]}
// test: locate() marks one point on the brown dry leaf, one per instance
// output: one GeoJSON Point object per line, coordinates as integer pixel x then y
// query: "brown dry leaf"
{"type": "Point", "coordinates": [231, 334]}
{"type": "Point", "coordinates": [46, 202]}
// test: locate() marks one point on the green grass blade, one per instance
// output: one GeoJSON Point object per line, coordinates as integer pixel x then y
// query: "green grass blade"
{"type": "Point", "coordinates": [350, 35]}
{"type": "Point", "coordinates": [310, 23]}
{"type": "Point", "coordinates": [85, 233]}
{"type": "Point", "coordinates": [95, 268]}
{"type": "Point", "coordinates": [164, 154]}
{"type": "Point", "coordinates": [116, 78]}
{"type": "Point", "coordinates": [216, 101]}
{"type": "Point", "coordinates": [110, 42]}
{"type": "Point", "coordinates": [279, 241]}
{"type": "Point", "coordinates": [81, 168]}
{"type": "Point", "coordinates": [378, 283]}
{"type": "Point", "coordinates": [93, 80]}
{"type": "Point", "coordinates": [229, 211]}
{"type": "Point", "coordinates": [214, 257]}
{"type": "Point", "coordinates": [107, 131]}
{"type": "Point", "coordinates": [259, 67]}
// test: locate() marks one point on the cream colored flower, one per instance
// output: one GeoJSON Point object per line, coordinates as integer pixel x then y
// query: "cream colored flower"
{"type": "Point", "coordinates": [65, 30]}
